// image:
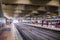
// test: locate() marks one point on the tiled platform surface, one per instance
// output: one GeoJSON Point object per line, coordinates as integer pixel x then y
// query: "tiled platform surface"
{"type": "Point", "coordinates": [6, 33]}
{"type": "Point", "coordinates": [12, 34]}
{"type": "Point", "coordinates": [44, 26]}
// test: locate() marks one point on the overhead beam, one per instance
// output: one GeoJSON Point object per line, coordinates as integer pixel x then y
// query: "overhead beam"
{"type": "Point", "coordinates": [32, 2]}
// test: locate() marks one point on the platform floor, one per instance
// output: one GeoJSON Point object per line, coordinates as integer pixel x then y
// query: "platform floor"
{"type": "Point", "coordinates": [52, 27]}
{"type": "Point", "coordinates": [21, 31]}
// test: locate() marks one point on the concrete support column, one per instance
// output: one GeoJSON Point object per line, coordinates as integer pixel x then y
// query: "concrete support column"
{"type": "Point", "coordinates": [1, 13]}
{"type": "Point", "coordinates": [59, 11]}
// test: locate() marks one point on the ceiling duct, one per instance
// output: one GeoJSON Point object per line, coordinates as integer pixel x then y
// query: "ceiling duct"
{"type": "Point", "coordinates": [18, 11]}
{"type": "Point", "coordinates": [53, 3]}
{"type": "Point", "coordinates": [52, 8]}
{"type": "Point", "coordinates": [39, 1]}
{"type": "Point", "coordinates": [8, 1]}
{"type": "Point", "coordinates": [19, 7]}
{"type": "Point", "coordinates": [31, 7]}
{"type": "Point", "coordinates": [42, 8]}
{"type": "Point", "coordinates": [42, 12]}
{"type": "Point", "coordinates": [34, 12]}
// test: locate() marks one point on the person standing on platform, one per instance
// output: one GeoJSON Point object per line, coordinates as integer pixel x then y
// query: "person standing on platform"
{"type": "Point", "coordinates": [47, 23]}
{"type": "Point", "coordinates": [42, 22]}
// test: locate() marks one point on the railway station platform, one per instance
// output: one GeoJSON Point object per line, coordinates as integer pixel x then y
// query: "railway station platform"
{"type": "Point", "coordinates": [9, 32]}
{"type": "Point", "coordinates": [51, 27]}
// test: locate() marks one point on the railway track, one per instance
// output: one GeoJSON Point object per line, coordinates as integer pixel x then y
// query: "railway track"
{"type": "Point", "coordinates": [32, 33]}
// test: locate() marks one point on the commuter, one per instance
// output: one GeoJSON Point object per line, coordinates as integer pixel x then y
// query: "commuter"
{"type": "Point", "coordinates": [59, 23]}
{"type": "Point", "coordinates": [47, 23]}
{"type": "Point", "coordinates": [42, 22]}
{"type": "Point", "coordinates": [36, 22]}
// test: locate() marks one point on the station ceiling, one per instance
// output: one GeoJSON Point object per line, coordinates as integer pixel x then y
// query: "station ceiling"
{"type": "Point", "coordinates": [30, 8]}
